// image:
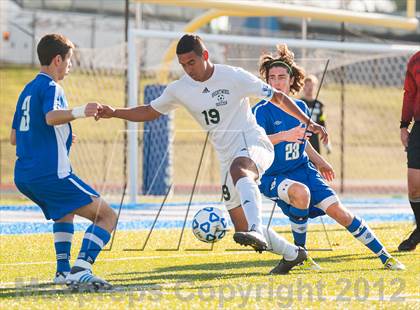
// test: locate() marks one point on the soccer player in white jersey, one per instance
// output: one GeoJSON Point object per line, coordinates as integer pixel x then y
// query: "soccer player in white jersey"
{"type": "Point", "coordinates": [42, 134]}
{"type": "Point", "coordinates": [217, 97]}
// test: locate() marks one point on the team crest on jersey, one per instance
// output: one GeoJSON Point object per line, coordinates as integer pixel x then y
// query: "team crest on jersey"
{"type": "Point", "coordinates": [220, 95]}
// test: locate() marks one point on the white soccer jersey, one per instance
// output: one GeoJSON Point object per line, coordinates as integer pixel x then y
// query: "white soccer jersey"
{"type": "Point", "coordinates": [220, 105]}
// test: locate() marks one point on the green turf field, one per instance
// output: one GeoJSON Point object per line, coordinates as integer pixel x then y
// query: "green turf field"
{"type": "Point", "coordinates": [225, 277]}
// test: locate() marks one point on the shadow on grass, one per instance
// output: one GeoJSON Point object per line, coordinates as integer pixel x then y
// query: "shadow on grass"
{"type": "Point", "coordinates": [152, 281]}
{"type": "Point", "coordinates": [188, 275]}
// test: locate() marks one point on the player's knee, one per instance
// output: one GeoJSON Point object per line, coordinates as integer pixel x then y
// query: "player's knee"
{"type": "Point", "coordinates": [111, 218]}
{"type": "Point", "coordinates": [346, 218]}
{"type": "Point", "coordinates": [106, 216]}
{"type": "Point", "coordinates": [340, 214]}
{"type": "Point", "coordinates": [237, 172]}
{"type": "Point", "coordinates": [299, 195]}
{"type": "Point", "coordinates": [66, 219]}
{"type": "Point", "coordinates": [242, 167]}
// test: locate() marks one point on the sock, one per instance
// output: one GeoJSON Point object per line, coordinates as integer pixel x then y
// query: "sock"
{"type": "Point", "coordinates": [361, 231]}
{"type": "Point", "coordinates": [415, 205]}
{"type": "Point", "coordinates": [251, 202]}
{"type": "Point", "coordinates": [299, 223]}
{"type": "Point", "coordinates": [278, 245]}
{"type": "Point", "coordinates": [94, 240]}
{"type": "Point", "coordinates": [63, 235]}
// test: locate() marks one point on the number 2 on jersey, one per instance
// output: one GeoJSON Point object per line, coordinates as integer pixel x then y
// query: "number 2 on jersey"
{"type": "Point", "coordinates": [24, 121]}
{"type": "Point", "coordinates": [292, 151]}
{"type": "Point", "coordinates": [211, 116]}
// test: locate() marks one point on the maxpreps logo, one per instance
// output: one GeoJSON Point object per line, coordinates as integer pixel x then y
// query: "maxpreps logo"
{"type": "Point", "coordinates": [220, 96]}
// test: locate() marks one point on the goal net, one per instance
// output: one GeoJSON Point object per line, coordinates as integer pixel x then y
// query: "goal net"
{"type": "Point", "coordinates": [362, 94]}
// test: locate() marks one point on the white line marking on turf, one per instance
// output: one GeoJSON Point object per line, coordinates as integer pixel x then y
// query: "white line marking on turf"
{"type": "Point", "coordinates": [137, 258]}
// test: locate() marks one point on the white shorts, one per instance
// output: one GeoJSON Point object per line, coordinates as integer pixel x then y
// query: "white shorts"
{"type": "Point", "coordinates": [261, 152]}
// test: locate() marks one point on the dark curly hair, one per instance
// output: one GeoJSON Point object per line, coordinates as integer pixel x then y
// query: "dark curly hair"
{"type": "Point", "coordinates": [284, 58]}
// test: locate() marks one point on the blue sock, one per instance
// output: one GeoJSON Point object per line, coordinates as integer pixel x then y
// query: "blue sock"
{"type": "Point", "coordinates": [299, 223]}
{"type": "Point", "coordinates": [362, 232]}
{"type": "Point", "coordinates": [94, 240]}
{"type": "Point", "coordinates": [63, 235]}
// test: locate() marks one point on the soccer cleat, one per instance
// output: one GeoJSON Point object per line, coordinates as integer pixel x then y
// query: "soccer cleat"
{"type": "Point", "coordinates": [85, 280]}
{"type": "Point", "coordinates": [60, 277]}
{"type": "Point", "coordinates": [393, 264]}
{"type": "Point", "coordinates": [410, 244]}
{"type": "Point", "coordinates": [251, 238]}
{"type": "Point", "coordinates": [285, 265]}
{"type": "Point", "coordinates": [310, 264]}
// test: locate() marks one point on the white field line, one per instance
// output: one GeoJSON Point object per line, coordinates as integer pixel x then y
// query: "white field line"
{"type": "Point", "coordinates": [11, 217]}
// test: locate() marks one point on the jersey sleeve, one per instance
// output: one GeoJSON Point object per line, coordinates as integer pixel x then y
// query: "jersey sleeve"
{"type": "Point", "coordinates": [166, 102]}
{"type": "Point", "coordinates": [409, 98]}
{"type": "Point", "coordinates": [50, 100]}
{"type": "Point", "coordinates": [304, 107]}
{"type": "Point", "coordinates": [15, 123]}
{"type": "Point", "coordinates": [262, 119]}
{"type": "Point", "coordinates": [250, 85]}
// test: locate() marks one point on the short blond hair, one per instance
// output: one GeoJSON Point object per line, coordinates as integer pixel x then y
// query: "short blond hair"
{"type": "Point", "coordinates": [311, 78]}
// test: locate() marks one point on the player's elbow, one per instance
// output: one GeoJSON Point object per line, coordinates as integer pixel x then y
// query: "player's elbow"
{"type": "Point", "coordinates": [151, 114]}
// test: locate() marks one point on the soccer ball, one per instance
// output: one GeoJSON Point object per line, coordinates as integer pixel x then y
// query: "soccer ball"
{"type": "Point", "coordinates": [209, 225]}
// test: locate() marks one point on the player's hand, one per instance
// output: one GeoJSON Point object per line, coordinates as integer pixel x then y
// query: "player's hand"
{"type": "Point", "coordinates": [92, 109]}
{"type": "Point", "coordinates": [297, 134]}
{"type": "Point", "coordinates": [106, 111]}
{"type": "Point", "coordinates": [404, 136]}
{"type": "Point", "coordinates": [326, 171]}
{"type": "Point", "coordinates": [320, 130]}
{"type": "Point", "coordinates": [73, 138]}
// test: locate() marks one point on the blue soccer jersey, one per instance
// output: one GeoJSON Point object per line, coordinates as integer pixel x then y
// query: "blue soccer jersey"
{"type": "Point", "coordinates": [42, 150]}
{"type": "Point", "coordinates": [288, 155]}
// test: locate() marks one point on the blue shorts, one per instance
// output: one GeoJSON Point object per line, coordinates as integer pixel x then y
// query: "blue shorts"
{"type": "Point", "coordinates": [322, 196]}
{"type": "Point", "coordinates": [58, 197]}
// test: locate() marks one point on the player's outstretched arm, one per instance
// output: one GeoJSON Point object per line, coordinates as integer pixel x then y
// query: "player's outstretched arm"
{"type": "Point", "coordinates": [290, 107]}
{"type": "Point", "coordinates": [321, 164]}
{"type": "Point", "coordinates": [58, 117]}
{"type": "Point", "coordinates": [137, 114]}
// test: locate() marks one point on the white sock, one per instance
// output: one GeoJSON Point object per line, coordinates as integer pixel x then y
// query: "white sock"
{"type": "Point", "coordinates": [82, 264]}
{"type": "Point", "coordinates": [251, 202]}
{"type": "Point", "coordinates": [278, 245]}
